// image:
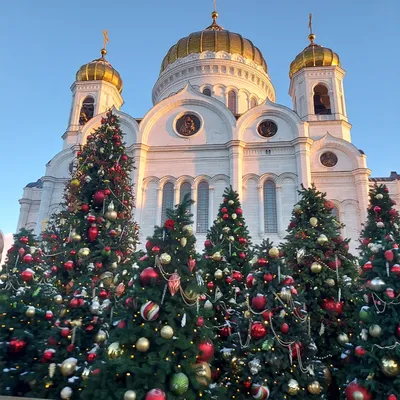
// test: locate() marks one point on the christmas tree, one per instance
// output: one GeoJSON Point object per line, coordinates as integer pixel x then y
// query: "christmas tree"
{"type": "Point", "coordinates": [324, 273]}
{"type": "Point", "coordinates": [277, 359]}
{"type": "Point", "coordinates": [88, 242]}
{"type": "Point", "coordinates": [27, 309]}
{"type": "Point", "coordinates": [162, 349]}
{"type": "Point", "coordinates": [375, 370]}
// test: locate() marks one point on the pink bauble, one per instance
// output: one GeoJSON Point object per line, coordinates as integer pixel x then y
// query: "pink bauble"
{"type": "Point", "coordinates": [99, 197]}
{"type": "Point", "coordinates": [155, 394]}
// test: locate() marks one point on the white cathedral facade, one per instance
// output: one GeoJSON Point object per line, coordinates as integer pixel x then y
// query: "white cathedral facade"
{"type": "Point", "coordinates": [215, 123]}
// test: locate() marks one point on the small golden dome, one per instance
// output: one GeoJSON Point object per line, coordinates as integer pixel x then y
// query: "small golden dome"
{"type": "Point", "coordinates": [314, 55]}
{"type": "Point", "coordinates": [100, 70]}
{"type": "Point", "coordinates": [214, 38]}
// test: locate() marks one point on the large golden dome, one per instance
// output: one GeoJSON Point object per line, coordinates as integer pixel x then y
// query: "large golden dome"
{"type": "Point", "coordinates": [214, 38]}
{"type": "Point", "coordinates": [100, 70]}
{"type": "Point", "coordinates": [314, 55]}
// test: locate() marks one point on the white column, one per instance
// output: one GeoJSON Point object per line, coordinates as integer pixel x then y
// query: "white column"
{"type": "Point", "coordinates": [261, 210]}
{"type": "Point", "coordinates": [362, 185]}
{"type": "Point", "coordinates": [236, 165]}
{"type": "Point", "coordinates": [302, 151]}
{"type": "Point", "coordinates": [279, 211]}
{"type": "Point", "coordinates": [23, 213]}
{"type": "Point", "coordinates": [194, 208]}
{"type": "Point", "coordinates": [159, 206]}
{"type": "Point", "coordinates": [211, 205]}
{"type": "Point", "coordinates": [140, 200]}
{"type": "Point", "coordinates": [176, 195]}
{"type": "Point", "coordinates": [45, 201]}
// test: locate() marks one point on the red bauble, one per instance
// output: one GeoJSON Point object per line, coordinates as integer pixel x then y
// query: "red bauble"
{"type": "Point", "coordinates": [191, 264]}
{"type": "Point", "coordinates": [69, 265]}
{"type": "Point", "coordinates": [74, 303]}
{"type": "Point", "coordinates": [224, 210]}
{"type": "Point", "coordinates": [91, 357]}
{"type": "Point", "coordinates": [91, 219]}
{"type": "Point", "coordinates": [267, 315]}
{"type": "Point", "coordinates": [357, 392]}
{"type": "Point", "coordinates": [390, 293]}
{"type": "Point", "coordinates": [24, 239]}
{"type": "Point", "coordinates": [365, 242]}
{"type": "Point", "coordinates": [239, 211]}
{"type": "Point", "coordinates": [368, 266]}
{"type": "Point", "coordinates": [206, 351]}
{"type": "Point", "coordinates": [329, 205]}
{"type": "Point", "coordinates": [225, 216]}
{"type": "Point", "coordinates": [155, 394]}
{"type": "Point", "coordinates": [155, 249]}
{"type": "Point", "coordinates": [332, 264]}
{"type": "Point", "coordinates": [242, 240]}
{"type": "Point", "coordinates": [99, 197]}
{"type": "Point", "coordinates": [207, 243]}
{"type": "Point", "coordinates": [250, 280]}
{"type": "Point", "coordinates": [392, 212]}
{"type": "Point", "coordinates": [124, 157]}
{"type": "Point", "coordinates": [237, 276]}
{"type": "Point", "coordinates": [268, 277]}
{"type": "Point", "coordinates": [258, 330]}
{"type": "Point", "coordinates": [70, 348]}
{"type": "Point", "coordinates": [228, 280]}
{"type": "Point", "coordinates": [360, 351]}
{"type": "Point", "coordinates": [27, 258]}
{"type": "Point", "coordinates": [392, 397]}
{"type": "Point", "coordinates": [242, 255]}
{"type": "Point", "coordinates": [284, 328]}
{"type": "Point", "coordinates": [377, 209]}
{"type": "Point", "coordinates": [288, 281]}
{"type": "Point", "coordinates": [93, 232]}
{"type": "Point", "coordinates": [331, 306]}
{"type": "Point", "coordinates": [398, 331]}
{"type": "Point", "coordinates": [210, 285]}
{"type": "Point", "coordinates": [27, 275]}
{"type": "Point", "coordinates": [225, 332]}
{"type": "Point", "coordinates": [103, 294]}
{"type": "Point", "coordinates": [65, 332]}
{"type": "Point", "coordinates": [16, 345]}
{"type": "Point", "coordinates": [200, 321]}
{"type": "Point", "coordinates": [259, 302]}
{"type": "Point", "coordinates": [389, 255]}
{"type": "Point", "coordinates": [85, 208]}
{"type": "Point", "coordinates": [121, 324]}
{"type": "Point", "coordinates": [149, 245]}
{"type": "Point", "coordinates": [48, 355]}
{"type": "Point", "coordinates": [247, 385]}
{"type": "Point", "coordinates": [297, 349]}
{"type": "Point", "coordinates": [262, 262]}
{"type": "Point", "coordinates": [395, 269]}
{"type": "Point", "coordinates": [147, 275]}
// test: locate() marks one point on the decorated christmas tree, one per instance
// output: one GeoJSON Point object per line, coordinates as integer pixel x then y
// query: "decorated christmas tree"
{"type": "Point", "coordinates": [324, 273]}
{"type": "Point", "coordinates": [27, 310]}
{"type": "Point", "coordinates": [277, 359]}
{"type": "Point", "coordinates": [161, 348]}
{"type": "Point", "coordinates": [225, 265]}
{"type": "Point", "coordinates": [88, 244]}
{"type": "Point", "coordinates": [375, 370]}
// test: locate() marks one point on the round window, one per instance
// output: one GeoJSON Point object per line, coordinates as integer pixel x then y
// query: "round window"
{"type": "Point", "coordinates": [328, 159]}
{"type": "Point", "coordinates": [267, 128]}
{"type": "Point", "coordinates": [187, 124]}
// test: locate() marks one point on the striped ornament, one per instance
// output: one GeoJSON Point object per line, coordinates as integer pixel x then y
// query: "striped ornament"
{"type": "Point", "coordinates": [259, 392]}
{"type": "Point", "coordinates": [149, 311]}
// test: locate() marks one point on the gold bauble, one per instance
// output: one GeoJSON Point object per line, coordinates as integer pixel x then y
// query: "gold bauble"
{"type": "Point", "coordinates": [100, 337]}
{"type": "Point", "coordinates": [30, 312]}
{"type": "Point", "coordinates": [297, 209]}
{"type": "Point", "coordinates": [75, 182]}
{"type": "Point", "coordinates": [285, 294]}
{"type": "Point", "coordinates": [293, 387]}
{"type": "Point", "coordinates": [218, 274]}
{"type": "Point", "coordinates": [111, 215]}
{"type": "Point", "coordinates": [3, 277]}
{"type": "Point", "coordinates": [85, 374]}
{"type": "Point", "coordinates": [130, 395]}
{"type": "Point", "coordinates": [183, 241]}
{"type": "Point", "coordinates": [165, 258]}
{"type": "Point", "coordinates": [63, 312]}
{"type": "Point", "coordinates": [216, 256]}
{"type": "Point", "coordinates": [107, 278]}
{"type": "Point", "coordinates": [190, 296]}
{"type": "Point", "coordinates": [343, 339]}
{"type": "Point", "coordinates": [114, 265]}
{"type": "Point", "coordinates": [188, 229]}
{"type": "Point", "coordinates": [76, 237]}
{"type": "Point", "coordinates": [58, 299]}
{"type": "Point", "coordinates": [114, 350]}
{"type": "Point", "coordinates": [330, 282]}
{"type": "Point", "coordinates": [322, 239]}
{"type": "Point", "coordinates": [68, 367]}
{"type": "Point", "coordinates": [84, 252]}
{"type": "Point", "coordinates": [313, 221]}
{"type": "Point", "coordinates": [273, 252]}
{"type": "Point", "coordinates": [316, 267]}
{"type": "Point", "coordinates": [375, 330]}
{"type": "Point", "coordinates": [230, 202]}
{"type": "Point", "coordinates": [389, 366]}
{"type": "Point", "coordinates": [167, 332]}
{"type": "Point", "coordinates": [142, 344]}
{"type": "Point", "coordinates": [203, 373]}
{"type": "Point", "coordinates": [247, 314]}
{"type": "Point", "coordinates": [314, 387]}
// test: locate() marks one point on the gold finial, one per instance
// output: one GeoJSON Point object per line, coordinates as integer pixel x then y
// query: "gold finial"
{"type": "Point", "coordinates": [214, 14]}
{"type": "Point", "coordinates": [311, 36]}
{"type": "Point", "coordinates": [105, 41]}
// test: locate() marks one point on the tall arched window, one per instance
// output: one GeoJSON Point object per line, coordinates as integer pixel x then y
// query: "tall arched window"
{"type": "Point", "coordinates": [335, 213]}
{"type": "Point", "coordinates": [253, 102]}
{"type": "Point", "coordinates": [87, 110]}
{"type": "Point", "coordinates": [207, 91]}
{"type": "Point", "coordinates": [202, 207]}
{"type": "Point", "coordinates": [186, 188]}
{"type": "Point", "coordinates": [270, 217]}
{"type": "Point", "coordinates": [167, 200]}
{"type": "Point", "coordinates": [322, 103]}
{"type": "Point", "coordinates": [232, 101]}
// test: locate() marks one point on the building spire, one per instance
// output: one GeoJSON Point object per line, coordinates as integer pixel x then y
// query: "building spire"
{"type": "Point", "coordinates": [311, 36]}
{"type": "Point", "coordinates": [103, 51]}
{"type": "Point", "coordinates": [214, 15]}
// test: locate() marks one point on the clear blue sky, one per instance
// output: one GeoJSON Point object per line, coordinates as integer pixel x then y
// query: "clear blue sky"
{"type": "Point", "coordinates": [44, 42]}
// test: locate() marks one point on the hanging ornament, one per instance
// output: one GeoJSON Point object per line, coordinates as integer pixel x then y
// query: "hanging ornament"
{"type": "Point", "coordinates": [260, 392]}
{"type": "Point", "coordinates": [143, 344]}
{"type": "Point", "coordinates": [27, 275]}
{"type": "Point", "coordinates": [174, 283]}
{"type": "Point", "coordinates": [314, 387]}
{"type": "Point", "coordinates": [216, 256]}
{"type": "Point", "coordinates": [206, 350]}
{"type": "Point", "coordinates": [75, 237]}
{"type": "Point", "coordinates": [354, 391]}
{"type": "Point", "coordinates": [389, 255]}
{"type": "Point", "coordinates": [165, 258]}
{"type": "Point", "coordinates": [375, 330]}
{"type": "Point", "coordinates": [93, 232]}
{"type": "Point", "coordinates": [148, 275]}
{"type": "Point", "coordinates": [83, 252]}
{"type": "Point", "coordinates": [335, 264]}
{"type": "Point", "coordinates": [316, 267]}
{"type": "Point", "coordinates": [66, 393]}
{"type": "Point", "coordinates": [114, 350]}
{"type": "Point", "coordinates": [16, 345]}
{"type": "Point", "coordinates": [155, 394]}
{"type": "Point", "coordinates": [183, 241]}
{"type": "Point", "coordinates": [377, 284]}
{"type": "Point", "coordinates": [273, 252]}
{"type": "Point", "coordinates": [259, 302]}
{"type": "Point", "coordinates": [368, 266]}
{"type": "Point", "coordinates": [322, 239]}
{"type": "Point", "coordinates": [285, 294]}
{"type": "Point", "coordinates": [99, 197]}
{"type": "Point", "coordinates": [100, 337]}
{"type": "Point", "coordinates": [188, 230]}
{"type": "Point", "coordinates": [202, 372]}
{"type": "Point", "coordinates": [258, 330]}
{"type": "Point", "coordinates": [293, 387]}
{"type": "Point", "coordinates": [343, 339]}
{"type": "Point", "coordinates": [68, 366]}
{"type": "Point", "coordinates": [30, 312]}
{"type": "Point", "coordinates": [313, 221]}
{"type": "Point", "coordinates": [150, 311]}
{"type": "Point", "coordinates": [167, 332]}
{"type": "Point", "coordinates": [191, 264]}
{"type": "Point", "coordinates": [366, 314]}
{"type": "Point", "coordinates": [130, 395]}
{"type": "Point", "coordinates": [389, 366]}
{"type": "Point", "coordinates": [255, 366]}
{"type": "Point", "coordinates": [179, 383]}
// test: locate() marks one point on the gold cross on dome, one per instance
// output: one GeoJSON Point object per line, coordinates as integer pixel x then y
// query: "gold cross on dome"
{"type": "Point", "coordinates": [215, 5]}
{"type": "Point", "coordinates": [310, 23]}
{"type": "Point", "coordinates": [105, 40]}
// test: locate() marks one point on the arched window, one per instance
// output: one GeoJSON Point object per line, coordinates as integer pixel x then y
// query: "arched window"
{"type": "Point", "coordinates": [167, 200]}
{"type": "Point", "coordinates": [270, 217]}
{"type": "Point", "coordinates": [202, 207]}
{"type": "Point", "coordinates": [186, 188]}
{"type": "Point", "coordinates": [87, 110]}
{"type": "Point", "coordinates": [207, 91]}
{"type": "Point", "coordinates": [322, 103]}
{"type": "Point", "coordinates": [253, 102]}
{"type": "Point", "coordinates": [232, 102]}
{"type": "Point", "coordinates": [335, 213]}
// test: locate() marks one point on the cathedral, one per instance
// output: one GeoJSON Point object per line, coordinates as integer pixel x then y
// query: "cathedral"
{"type": "Point", "coordinates": [215, 123]}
